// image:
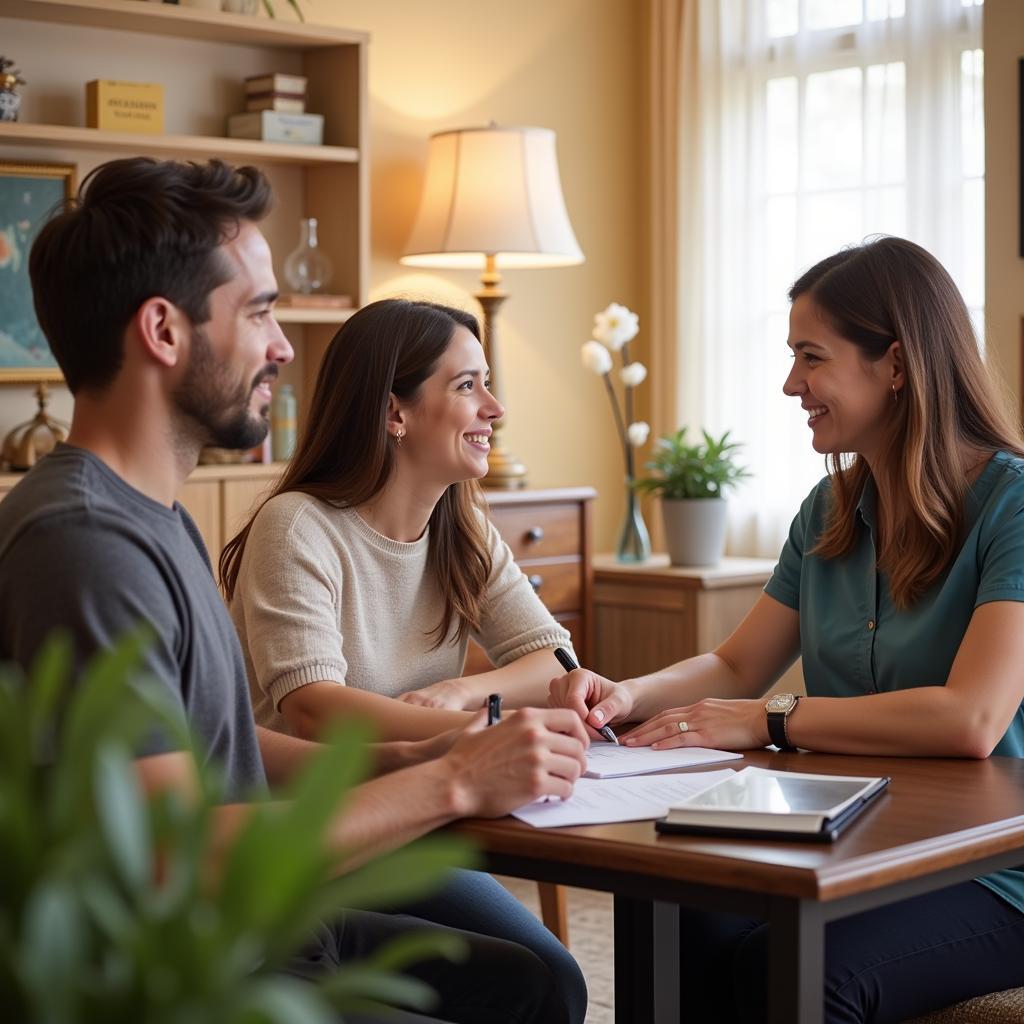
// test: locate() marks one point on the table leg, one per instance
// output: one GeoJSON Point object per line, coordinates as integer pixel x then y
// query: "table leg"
{"type": "Point", "coordinates": [796, 962]}
{"type": "Point", "coordinates": [646, 961]}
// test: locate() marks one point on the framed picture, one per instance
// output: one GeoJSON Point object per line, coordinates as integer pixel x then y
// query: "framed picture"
{"type": "Point", "coordinates": [28, 194]}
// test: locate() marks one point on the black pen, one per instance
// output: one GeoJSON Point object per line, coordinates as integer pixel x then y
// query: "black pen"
{"type": "Point", "coordinates": [494, 709]}
{"type": "Point", "coordinates": [565, 660]}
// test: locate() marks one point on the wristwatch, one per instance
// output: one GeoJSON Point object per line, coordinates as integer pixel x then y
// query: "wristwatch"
{"type": "Point", "coordinates": [779, 708]}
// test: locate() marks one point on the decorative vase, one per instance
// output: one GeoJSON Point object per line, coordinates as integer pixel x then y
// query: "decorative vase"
{"type": "Point", "coordinates": [307, 269]}
{"type": "Point", "coordinates": [634, 541]}
{"type": "Point", "coordinates": [250, 7]}
{"type": "Point", "coordinates": [694, 530]}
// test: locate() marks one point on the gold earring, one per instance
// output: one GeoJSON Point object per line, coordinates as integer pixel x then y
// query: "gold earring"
{"type": "Point", "coordinates": [895, 395]}
{"type": "Point", "coordinates": [399, 434]}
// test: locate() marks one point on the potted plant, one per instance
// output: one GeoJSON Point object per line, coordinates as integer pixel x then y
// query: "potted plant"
{"type": "Point", "coordinates": [691, 480]}
{"type": "Point", "coordinates": [108, 908]}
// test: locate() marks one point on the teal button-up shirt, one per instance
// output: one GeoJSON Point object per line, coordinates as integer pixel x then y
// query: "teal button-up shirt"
{"type": "Point", "coordinates": [854, 641]}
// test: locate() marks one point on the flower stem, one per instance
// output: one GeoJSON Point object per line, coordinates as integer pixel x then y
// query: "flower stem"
{"type": "Point", "coordinates": [627, 451]}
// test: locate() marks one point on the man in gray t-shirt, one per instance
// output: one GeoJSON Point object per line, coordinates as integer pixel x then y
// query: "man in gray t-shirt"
{"type": "Point", "coordinates": [155, 290]}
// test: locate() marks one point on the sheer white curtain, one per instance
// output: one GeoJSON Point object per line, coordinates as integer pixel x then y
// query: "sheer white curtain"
{"type": "Point", "coordinates": [815, 124]}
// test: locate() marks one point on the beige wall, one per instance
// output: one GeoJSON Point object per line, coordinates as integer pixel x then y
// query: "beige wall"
{"type": "Point", "coordinates": [569, 65]}
{"type": "Point", "coordinates": [1004, 269]}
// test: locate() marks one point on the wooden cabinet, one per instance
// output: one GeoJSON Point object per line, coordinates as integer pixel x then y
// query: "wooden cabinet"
{"type": "Point", "coordinates": [220, 498]}
{"type": "Point", "coordinates": [649, 616]}
{"type": "Point", "coordinates": [549, 534]}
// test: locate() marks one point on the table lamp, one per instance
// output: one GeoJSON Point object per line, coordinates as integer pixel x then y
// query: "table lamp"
{"type": "Point", "coordinates": [492, 199]}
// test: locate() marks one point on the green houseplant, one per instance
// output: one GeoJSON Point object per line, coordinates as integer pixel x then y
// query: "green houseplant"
{"type": "Point", "coordinates": [691, 480]}
{"type": "Point", "coordinates": [108, 911]}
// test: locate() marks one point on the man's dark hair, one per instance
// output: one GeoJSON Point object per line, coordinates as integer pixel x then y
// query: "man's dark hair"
{"type": "Point", "coordinates": [138, 228]}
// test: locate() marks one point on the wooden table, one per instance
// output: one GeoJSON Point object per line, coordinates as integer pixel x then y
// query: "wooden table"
{"type": "Point", "coordinates": [941, 822]}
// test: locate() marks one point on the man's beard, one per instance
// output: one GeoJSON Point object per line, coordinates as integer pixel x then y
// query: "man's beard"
{"type": "Point", "coordinates": [220, 406]}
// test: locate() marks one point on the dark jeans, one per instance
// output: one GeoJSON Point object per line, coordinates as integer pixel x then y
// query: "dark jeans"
{"type": "Point", "coordinates": [882, 966]}
{"type": "Point", "coordinates": [517, 972]}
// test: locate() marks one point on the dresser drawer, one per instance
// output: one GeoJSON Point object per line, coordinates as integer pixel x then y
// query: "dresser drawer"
{"type": "Point", "coordinates": [557, 584]}
{"type": "Point", "coordinates": [539, 531]}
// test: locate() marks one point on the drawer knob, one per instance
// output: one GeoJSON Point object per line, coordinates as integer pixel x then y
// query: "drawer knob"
{"type": "Point", "coordinates": [535, 533]}
{"type": "Point", "coordinates": [536, 581]}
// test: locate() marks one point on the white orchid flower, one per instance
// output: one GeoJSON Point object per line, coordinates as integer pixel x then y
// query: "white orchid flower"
{"type": "Point", "coordinates": [633, 374]}
{"type": "Point", "coordinates": [596, 358]}
{"type": "Point", "coordinates": [615, 326]}
{"type": "Point", "coordinates": [638, 433]}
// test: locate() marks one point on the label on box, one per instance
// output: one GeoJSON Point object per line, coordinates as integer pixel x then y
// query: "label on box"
{"type": "Point", "coordinates": [125, 106]}
{"type": "Point", "coordinates": [273, 126]}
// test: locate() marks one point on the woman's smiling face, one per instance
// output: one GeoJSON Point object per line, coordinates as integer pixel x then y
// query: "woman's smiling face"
{"type": "Point", "coordinates": [849, 399]}
{"type": "Point", "coordinates": [448, 425]}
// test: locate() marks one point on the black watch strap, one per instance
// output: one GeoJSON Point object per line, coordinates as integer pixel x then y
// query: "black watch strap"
{"type": "Point", "coordinates": [777, 729]}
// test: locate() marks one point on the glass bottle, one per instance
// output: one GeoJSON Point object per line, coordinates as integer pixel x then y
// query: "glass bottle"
{"type": "Point", "coordinates": [307, 269]}
{"type": "Point", "coordinates": [283, 423]}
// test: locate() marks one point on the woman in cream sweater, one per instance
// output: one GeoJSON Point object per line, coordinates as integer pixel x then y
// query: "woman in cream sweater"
{"type": "Point", "coordinates": [356, 586]}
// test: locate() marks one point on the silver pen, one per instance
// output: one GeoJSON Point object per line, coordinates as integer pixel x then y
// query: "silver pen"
{"type": "Point", "coordinates": [565, 659]}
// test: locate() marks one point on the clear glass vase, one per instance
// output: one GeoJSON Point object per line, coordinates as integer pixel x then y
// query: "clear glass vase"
{"type": "Point", "coordinates": [634, 540]}
{"type": "Point", "coordinates": [307, 270]}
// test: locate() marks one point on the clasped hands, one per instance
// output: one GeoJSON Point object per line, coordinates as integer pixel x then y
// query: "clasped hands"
{"type": "Point", "coordinates": [735, 724]}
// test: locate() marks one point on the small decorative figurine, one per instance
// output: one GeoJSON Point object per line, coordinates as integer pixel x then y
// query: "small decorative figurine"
{"type": "Point", "coordinates": [10, 100]}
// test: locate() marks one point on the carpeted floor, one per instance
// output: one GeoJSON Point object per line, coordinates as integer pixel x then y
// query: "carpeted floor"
{"type": "Point", "coordinates": [590, 938]}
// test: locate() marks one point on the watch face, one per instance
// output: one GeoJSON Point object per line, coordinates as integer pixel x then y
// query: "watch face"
{"type": "Point", "coordinates": [781, 702]}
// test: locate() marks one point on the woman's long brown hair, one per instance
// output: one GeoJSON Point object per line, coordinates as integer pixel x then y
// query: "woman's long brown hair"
{"type": "Point", "coordinates": [890, 290]}
{"type": "Point", "coordinates": [345, 456]}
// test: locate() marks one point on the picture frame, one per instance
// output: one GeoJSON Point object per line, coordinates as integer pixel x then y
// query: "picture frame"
{"type": "Point", "coordinates": [28, 194]}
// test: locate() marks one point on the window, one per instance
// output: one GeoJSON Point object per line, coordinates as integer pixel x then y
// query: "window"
{"type": "Point", "coordinates": [827, 121]}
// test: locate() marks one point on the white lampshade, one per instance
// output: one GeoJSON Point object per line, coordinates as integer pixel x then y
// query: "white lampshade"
{"type": "Point", "coordinates": [492, 191]}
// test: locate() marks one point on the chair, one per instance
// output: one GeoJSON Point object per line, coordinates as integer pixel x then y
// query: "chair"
{"type": "Point", "coordinates": [1005, 1007]}
{"type": "Point", "coordinates": [553, 911]}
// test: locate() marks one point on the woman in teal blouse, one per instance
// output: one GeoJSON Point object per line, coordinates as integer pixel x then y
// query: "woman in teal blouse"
{"type": "Point", "coordinates": [901, 586]}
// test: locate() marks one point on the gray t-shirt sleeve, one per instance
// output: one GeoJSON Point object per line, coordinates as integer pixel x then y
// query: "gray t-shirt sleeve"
{"type": "Point", "coordinates": [92, 578]}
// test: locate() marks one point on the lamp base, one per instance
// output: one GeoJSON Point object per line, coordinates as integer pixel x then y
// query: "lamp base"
{"type": "Point", "coordinates": [504, 472]}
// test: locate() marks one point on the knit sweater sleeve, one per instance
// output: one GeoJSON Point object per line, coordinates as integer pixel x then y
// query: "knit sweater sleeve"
{"type": "Point", "coordinates": [288, 591]}
{"type": "Point", "coordinates": [515, 621]}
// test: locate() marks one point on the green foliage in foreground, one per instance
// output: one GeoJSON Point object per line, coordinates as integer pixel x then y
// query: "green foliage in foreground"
{"type": "Point", "coordinates": [107, 908]}
{"type": "Point", "coordinates": [702, 470]}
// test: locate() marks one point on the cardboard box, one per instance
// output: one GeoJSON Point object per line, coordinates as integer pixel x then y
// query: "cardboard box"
{"type": "Point", "coordinates": [125, 106]}
{"type": "Point", "coordinates": [272, 126]}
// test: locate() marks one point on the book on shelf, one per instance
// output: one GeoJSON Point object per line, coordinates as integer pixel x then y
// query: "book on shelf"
{"type": "Point", "coordinates": [276, 101]}
{"type": "Point", "coordinates": [763, 803]}
{"type": "Point", "coordinates": [290, 85]}
{"type": "Point", "coordinates": [272, 126]}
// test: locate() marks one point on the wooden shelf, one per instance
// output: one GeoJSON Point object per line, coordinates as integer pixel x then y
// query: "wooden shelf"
{"type": "Point", "coordinates": [291, 315]}
{"type": "Point", "coordinates": [64, 136]}
{"type": "Point", "coordinates": [183, 22]}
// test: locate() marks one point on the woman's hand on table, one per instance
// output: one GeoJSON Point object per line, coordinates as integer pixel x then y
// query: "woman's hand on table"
{"type": "Point", "coordinates": [718, 724]}
{"type": "Point", "coordinates": [598, 701]}
{"type": "Point", "coordinates": [448, 695]}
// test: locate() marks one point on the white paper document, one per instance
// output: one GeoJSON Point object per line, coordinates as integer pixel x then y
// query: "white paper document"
{"type": "Point", "coordinates": [603, 801]}
{"type": "Point", "coordinates": [608, 761]}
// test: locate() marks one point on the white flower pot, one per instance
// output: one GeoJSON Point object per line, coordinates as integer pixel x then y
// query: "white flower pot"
{"type": "Point", "coordinates": [694, 530]}
{"type": "Point", "coordinates": [203, 5]}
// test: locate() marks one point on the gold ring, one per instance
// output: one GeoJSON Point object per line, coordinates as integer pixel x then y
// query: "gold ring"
{"type": "Point", "coordinates": [683, 727]}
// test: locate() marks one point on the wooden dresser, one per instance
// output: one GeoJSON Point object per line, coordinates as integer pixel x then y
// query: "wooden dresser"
{"type": "Point", "coordinates": [651, 615]}
{"type": "Point", "coordinates": [549, 534]}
